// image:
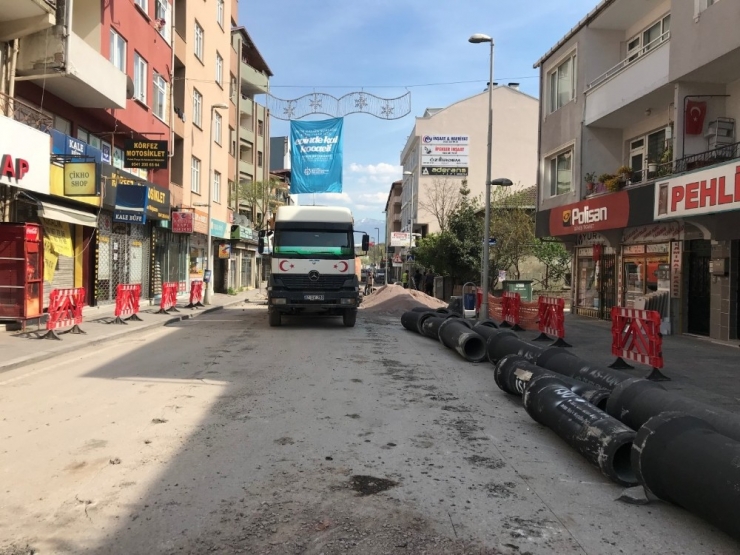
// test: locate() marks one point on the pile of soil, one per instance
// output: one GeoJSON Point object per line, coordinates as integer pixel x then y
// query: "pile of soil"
{"type": "Point", "coordinates": [395, 300]}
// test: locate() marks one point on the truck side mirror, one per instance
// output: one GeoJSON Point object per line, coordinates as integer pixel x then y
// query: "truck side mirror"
{"type": "Point", "coordinates": [365, 242]}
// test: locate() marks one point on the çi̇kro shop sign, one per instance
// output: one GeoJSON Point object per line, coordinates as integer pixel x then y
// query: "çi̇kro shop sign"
{"type": "Point", "coordinates": [701, 192]}
{"type": "Point", "coordinates": [600, 213]}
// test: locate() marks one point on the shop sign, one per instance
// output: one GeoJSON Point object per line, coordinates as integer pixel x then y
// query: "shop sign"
{"type": "Point", "coordinates": [59, 236]}
{"type": "Point", "coordinates": [80, 179]}
{"type": "Point", "coordinates": [586, 252]}
{"type": "Point", "coordinates": [590, 239]}
{"type": "Point", "coordinates": [399, 239]}
{"type": "Point", "coordinates": [220, 229]}
{"type": "Point", "coordinates": [150, 155]}
{"type": "Point", "coordinates": [200, 222]}
{"type": "Point", "coordinates": [158, 207]}
{"type": "Point", "coordinates": [676, 256]}
{"type": "Point", "coordinates": [241, 232]}
{"type": "Point", "coordinates": [182, 222]}
{"type": "Point", "coordinates": [655, 232]}
{"type": "Point", "coordinates": [595, 214]}
{"type": "Point", "coordinates": [224, 250]}
{"type": "Point", "coordinates": [131, 204]}
{"type": "Point", "coordinates": [24, 156]}
{"type": "Point", "coordinates": [655, 249]}
{"type": "Point", "coordinates": [74, 149]}
{"type": "Point", "coordinates": [633, 249]}
{"type": "Point", "coordinates": [444, 171]}
{"type": "Point", "coordinates": [702, 192]}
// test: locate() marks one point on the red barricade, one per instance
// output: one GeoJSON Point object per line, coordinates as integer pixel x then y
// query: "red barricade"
{"type": "Point", "coordinates": [636, 336]}
{"type": "Point", "coordinates": [65, 309]}
{"type": "Point", "coordinates": [127, 302]}
{"type": "Point", "coordinates": [551, 319]}
{"type": "Point", "coordinates": [495, 308]}
{"type": "Point", "coordinates": [169, 298]}
{"type": "Point", "coordinates": [511, 309]}
{"type": "Point", "coordinates": [196, 294]}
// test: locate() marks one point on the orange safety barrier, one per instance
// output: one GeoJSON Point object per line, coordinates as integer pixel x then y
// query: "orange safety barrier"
{"type": "Point", "coordinates": [551, 319]}
{"type": "Point", "coordinates": [65, 309]}
{"type": "Point", "coordinates": [196, 294]}
{"type": "Point", "coordinates": [127, 303]}
{"type": "Point", "coordinates": [636, 336]}
{"type": "Point", "coordinates": [495, 308]}
{"type": "Point", "coordinates": [511, 309]}
{"type": "Point", "coordinates": [168, 302]}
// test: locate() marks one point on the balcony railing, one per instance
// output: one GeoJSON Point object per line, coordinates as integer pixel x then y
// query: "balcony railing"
{"type": "Point", "coordinates": [632, 58]}
{"type": "Point", "coordinates": [24, 113]}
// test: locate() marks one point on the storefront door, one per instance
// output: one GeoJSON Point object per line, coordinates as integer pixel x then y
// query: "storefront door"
{"type": "Point", "coordinates": [608, 293]}
{"type": "Point", "coordinates": [699, 293]}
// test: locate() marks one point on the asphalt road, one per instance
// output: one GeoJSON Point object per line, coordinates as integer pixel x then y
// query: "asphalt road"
{"type": "Point", "coordinates": [222, 435]}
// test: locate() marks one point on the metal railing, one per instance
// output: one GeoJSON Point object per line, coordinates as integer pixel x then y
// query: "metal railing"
{"type": "Point", "coordinates": [25, 113]}
{"type": "Point", "coordinates": [708, 158]}
{"type": "Point", "coordinates": [632, 58]}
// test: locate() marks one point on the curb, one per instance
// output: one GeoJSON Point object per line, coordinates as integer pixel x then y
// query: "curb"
{"type": "Point", "coordinates": [130, 331]}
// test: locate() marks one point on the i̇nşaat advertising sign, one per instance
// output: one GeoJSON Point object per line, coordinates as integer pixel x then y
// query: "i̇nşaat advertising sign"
{"type": "Point", "coordinates": [594, 214]}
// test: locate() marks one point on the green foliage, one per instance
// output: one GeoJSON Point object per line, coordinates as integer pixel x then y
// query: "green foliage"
{"type": "Point", "coordinates": [553, 255]}
{"type": "Point", "coordinates": [512, 224]}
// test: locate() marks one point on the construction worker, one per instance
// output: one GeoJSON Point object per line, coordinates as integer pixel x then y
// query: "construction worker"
{"type": "Point", "coordinates": [405, 279]}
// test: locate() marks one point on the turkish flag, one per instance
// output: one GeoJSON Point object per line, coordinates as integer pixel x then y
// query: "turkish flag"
{"type": "Point", "coordinates": [695, 113]}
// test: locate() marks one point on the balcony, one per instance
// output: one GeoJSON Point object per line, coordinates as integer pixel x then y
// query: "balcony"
{"type": "Point", "coordinates": [24, 113]}
{"type": "Point", "coordinates": [253, 81]}
{"type": "Point", "coordinates": [181, 48]}
{"type": "Point", "coordinates": [246, 135]}
{"type": "Point", "coordinates": [71, 69]}
{"type": "Point", "coordinates": [397, 200]}
{"type": "Point", "coordinates": [246, 166]}
{"type": "Point", "coordinates": [396, 217]}
{"type": "Point", "coordinates": [19, 18]}
{"type": "Point", "coordinates": [641, 78]}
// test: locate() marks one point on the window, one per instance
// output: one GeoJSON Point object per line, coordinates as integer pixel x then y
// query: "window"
{"type": "Point", "coordinates": [143, 4]}
{"type": "Point", "coordinates": [140, 78]}
{"type": "Point", "coordinates": [163, 17]}
{"type": "Point", "coordinates": [232, 89]}
{"type": "Point", "coordinates": [560, 173]}
{"type": "Point", "coordinates": [199, 39]}
{"type": "Point", "coordinates": [83, 135]}
{"type": "Point", "coordinates": [562, 82]}
{"type": "Point", "coordinates": [117, 51]}
{"type": "Point", "coordinates": [260, 127]}
{"type": "Point", "coordinates": [216, 187]}
{"type": "Point", "coordinates": [197, 108]}
{"type": "Point", "coordinates": [219, 69]}
{"type": "Point", "coordinates": [117, 157]}
{"type": "Point", "coordinates": [259, 158]}
{"type": "Point", "coordinates": [701, 5]}
{"type": "Point", "coordinates": [217, 127]}
{"type": "Point", "coordinates": [160, 97]}
{"type": "Point", "coordinates": [232, 141]}
{"type": "Point", "coordinates": [220, 12]}
{"type": "Point", "coordinates": [645, 151]}
{"type": "Point", "coordinates": [195, 175]}
{"type": "Point", "coordinates": [62, 125]}
{"type": "Point", "coordinates": [649, 38]}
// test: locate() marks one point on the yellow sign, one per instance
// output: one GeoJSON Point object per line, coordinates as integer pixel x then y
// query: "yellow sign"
{"type": "Point", "coordinates": [59, 236]}
{"type": "Point", "coordinates": [50, 261]}
{"type": "Point", "coordinates": [80, 179]}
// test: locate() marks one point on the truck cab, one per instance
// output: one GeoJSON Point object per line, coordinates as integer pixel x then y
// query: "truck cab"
{"type": "Point", "coordinates": [313, 266]}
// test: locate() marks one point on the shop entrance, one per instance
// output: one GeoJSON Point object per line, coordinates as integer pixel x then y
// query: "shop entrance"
{"type": "Point", "coordinates": [699, 292]}
{"type": "Point", "coordinates": [608, 291]}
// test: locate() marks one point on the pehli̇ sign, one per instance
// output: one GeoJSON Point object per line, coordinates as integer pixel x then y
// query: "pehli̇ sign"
{"type": "Point", "coordinates": [703, 192]}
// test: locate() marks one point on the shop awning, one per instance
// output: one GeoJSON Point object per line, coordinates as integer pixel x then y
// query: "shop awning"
{"type": "Point", "coordinates": [69, 215]}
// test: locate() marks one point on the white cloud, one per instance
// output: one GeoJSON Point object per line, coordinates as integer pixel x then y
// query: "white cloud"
{"type": "Point", "coordinates": [382, 173]}
{"type": "Point", "coordinates": [332, 197]}
{"type": "Point", "coordinates": [379, 197]}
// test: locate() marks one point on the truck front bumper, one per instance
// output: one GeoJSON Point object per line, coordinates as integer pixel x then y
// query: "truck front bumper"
{"type": "Point", "coordinates": [286, 300]}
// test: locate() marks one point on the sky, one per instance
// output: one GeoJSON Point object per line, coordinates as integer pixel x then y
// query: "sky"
{"type": "Point", "coordinates": [390, 47]}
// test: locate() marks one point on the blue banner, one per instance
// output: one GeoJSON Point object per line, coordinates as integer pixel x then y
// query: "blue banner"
{"type": "Point", "coordinates": [131, 204]}
{"type": "Point", "coordinates": [316, 156]}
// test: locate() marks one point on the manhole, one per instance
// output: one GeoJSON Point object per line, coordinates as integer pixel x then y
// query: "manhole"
{"type": "Point", "coordinates": [370, 485]}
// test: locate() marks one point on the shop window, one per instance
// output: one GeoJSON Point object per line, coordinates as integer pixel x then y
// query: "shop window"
{"type": "Point", "coordinates": [646, 271]}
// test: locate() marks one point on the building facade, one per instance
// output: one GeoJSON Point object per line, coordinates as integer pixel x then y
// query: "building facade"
{"type": "Point", "coordinates": [638, 160]}
{"type": "Point", "coordinates": [393, 224]}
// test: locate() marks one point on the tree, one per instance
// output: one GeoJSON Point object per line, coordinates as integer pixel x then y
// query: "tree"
{"type": "Point", "coordinates": [512, 225]}
{"type": "Point", "coordinates": [257, 195]}
{"type": "Point", "coordinates": [442, 199]}
{"type": "Point", "coordinates": [554, 257]}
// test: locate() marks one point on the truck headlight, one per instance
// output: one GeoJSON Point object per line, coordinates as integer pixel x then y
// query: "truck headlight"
{"type": "Point", "coordinates": [279, 301]}
{"type": "Point", "coordinates": [346, 301]}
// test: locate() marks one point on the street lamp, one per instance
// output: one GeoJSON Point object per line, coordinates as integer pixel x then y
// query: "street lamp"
{"type": "Point", "coordinates": [477, 39]}
{"type": "Point", "coordinates": [209, 285]}
{"type": "Point", "coordinates": [411, 210]}
{"type": "Point", "coordinates": [377, 245]}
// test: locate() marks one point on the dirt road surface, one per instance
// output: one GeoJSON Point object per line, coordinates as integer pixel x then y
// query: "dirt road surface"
{"type": "Point", "coordinates": [222, 435]}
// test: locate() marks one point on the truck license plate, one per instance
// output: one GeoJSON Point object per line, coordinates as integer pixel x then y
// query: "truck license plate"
{"type": "Point", "coordinates": [313, 297]}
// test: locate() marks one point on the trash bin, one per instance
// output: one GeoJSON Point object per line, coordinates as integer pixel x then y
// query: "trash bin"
{"type": "Point", "coordinates": [469, 296]}
{"type": "Point", "coordinates": [521, 286]}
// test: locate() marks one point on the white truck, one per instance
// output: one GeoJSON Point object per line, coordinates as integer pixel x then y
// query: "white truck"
{"type": "Point", "coordinates": [313, 267]}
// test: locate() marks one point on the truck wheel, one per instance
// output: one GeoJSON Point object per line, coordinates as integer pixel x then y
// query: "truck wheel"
{"type": "Point", "coordinates": [349, 317]}
{"type": "Point", "coordinates": [274, 318]}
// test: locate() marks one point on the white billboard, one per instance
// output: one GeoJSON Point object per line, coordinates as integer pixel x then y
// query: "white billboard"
{"type": "Point", "coordinates": [445, 150]}
{"type": "Point", "coordinates": [445, 139]}
{"type": "Point", "coordinates": [399, 239]}
{"type": "Point", "coordinates": [445, 155]}
{"type": "Point", "coordinates": [445, 161]}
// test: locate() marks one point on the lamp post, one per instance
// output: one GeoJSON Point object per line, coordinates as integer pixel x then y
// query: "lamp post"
{"type": "Point", "coordinates": [209, 251]}
{"type": "Point", "coordinates": [411, 211]}
{"type": "Point", "coordinates": [377, 245]}
{"type": "Point", "coordinates": [477, 39]}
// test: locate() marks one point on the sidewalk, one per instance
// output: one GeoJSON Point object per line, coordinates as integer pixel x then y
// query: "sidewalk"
{"type": "Point", "coordinates": [699, 368]}
{"type": "Point", "coordinates": [23, 348]}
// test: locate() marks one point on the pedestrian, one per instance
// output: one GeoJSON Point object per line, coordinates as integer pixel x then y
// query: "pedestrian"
{"type": "Point", "coordinates": [429, 283]}
{"type": "Point", "coordinates": [405, 279]}
{"type": "Point", "coordinates": [417, 280]}
{"type": "Point", "coordinates": [369, 282]}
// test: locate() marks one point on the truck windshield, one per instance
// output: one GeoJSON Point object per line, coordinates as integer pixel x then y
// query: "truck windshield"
{"type": "Point", "coordinates": [308, 241]}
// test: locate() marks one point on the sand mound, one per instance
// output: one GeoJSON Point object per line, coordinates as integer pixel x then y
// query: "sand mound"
{"type": "Point", "coordinates": [394, 299]}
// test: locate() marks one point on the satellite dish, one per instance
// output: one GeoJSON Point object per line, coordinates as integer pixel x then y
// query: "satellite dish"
{"type": "Point", "coordinates": [129, 88]}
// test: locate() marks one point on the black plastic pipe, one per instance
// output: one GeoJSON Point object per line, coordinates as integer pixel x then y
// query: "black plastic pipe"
{"type": "Point", "coordinates": [563, 362]}
{"type": "Point", "coordinates": [456, 334]}
{"type": "Point", "coordinates": [508, 343]}
{"type": "Point", "coordinates": [682, 459]}
{"type": "Point", "coordinates": [422, 309]}
{"type": "Point", "coordinates": [514, 372]}
{"type": "Point", "coordinates": [410, 319]}
{"type": "Point", "coordinates": [431, 325]}
{"type": "Point", "coordinates": [486, 331]}
{"type": "Point", "coordinates": [604, 441]}
{"type": "Point", "coordinates": [635, 401]}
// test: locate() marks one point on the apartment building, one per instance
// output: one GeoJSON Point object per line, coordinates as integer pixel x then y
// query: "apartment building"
{"type": "Point", "coordinates": [393, 219]}
{"type": "Point", "coordinates": [637, 156]}
{"type": "Point", "coordinates": [98, 83]}
{"type": "Point", "coordinates": [449, 144]}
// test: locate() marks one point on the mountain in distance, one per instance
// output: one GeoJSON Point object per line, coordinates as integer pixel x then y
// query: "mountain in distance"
{"type": "Point", "coordinates": [368, 225]}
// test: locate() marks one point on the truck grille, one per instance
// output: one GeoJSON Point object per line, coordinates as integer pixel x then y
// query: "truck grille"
{"type": "Point", "coordinates": [301, 281]}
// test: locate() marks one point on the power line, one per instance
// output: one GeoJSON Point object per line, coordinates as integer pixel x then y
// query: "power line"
{"type": "Point", "coordinates": [396, 86]}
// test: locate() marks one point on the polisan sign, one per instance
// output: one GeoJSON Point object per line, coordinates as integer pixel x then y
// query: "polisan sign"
{"type": "Point", "coordinates": [595, 214]}
{"type": "Point", "coordinates": [703, 192]}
